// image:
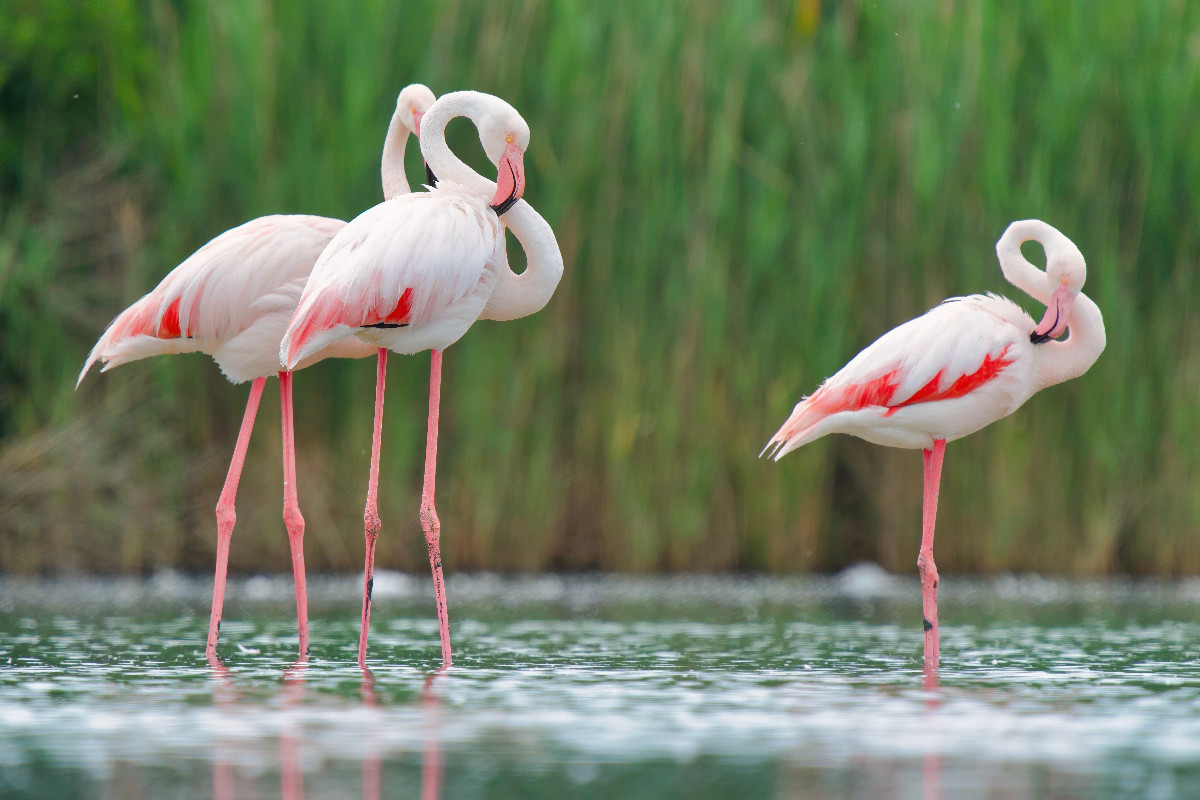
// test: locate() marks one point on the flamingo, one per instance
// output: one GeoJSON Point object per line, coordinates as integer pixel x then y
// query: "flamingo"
{"type": "Point", "coordinates": [962, 365]}
{"type": "Point", "coordinates": [415, 272]}
{"type": "Point", "coordinates": [232, 299]}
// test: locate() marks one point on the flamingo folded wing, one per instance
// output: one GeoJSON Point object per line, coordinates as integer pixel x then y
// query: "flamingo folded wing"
{"type": "Point", "coordinates": [949, 352]}
{"type": "Point", "coordinates": [400, 263]}
{"type": "Point", "coordinates": [219, 291]}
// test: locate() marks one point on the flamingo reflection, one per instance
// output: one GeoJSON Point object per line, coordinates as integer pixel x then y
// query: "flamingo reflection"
{"type": "Point", "coordinates": [370, 766]}
{"type": "Point", "coordinates": [292, 777]}
{"type": "Point", "coordinates": [431, 761]}
{"type": "Point", "coordinates": [932, 766]}
{"type": "Point", "coordinates": [224, 696]}
{"type": "Point", "coordinates": [431, 764]}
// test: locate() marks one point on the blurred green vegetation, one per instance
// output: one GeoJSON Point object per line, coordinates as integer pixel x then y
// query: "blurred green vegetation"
{"type": "Point", "coordinates": [746, 193]}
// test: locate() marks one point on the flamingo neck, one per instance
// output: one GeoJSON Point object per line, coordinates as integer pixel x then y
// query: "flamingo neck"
{"type": "Point", "coordinates": [439, 157]}
{"type": "Point", "coordinates": [516, 295]}
{"type": "Point", "coordinates": [1059, 361]}
{"type": "Point", "coordinates": [1018, 270]}
{"type": "Point", "coordinates": [395, 183]}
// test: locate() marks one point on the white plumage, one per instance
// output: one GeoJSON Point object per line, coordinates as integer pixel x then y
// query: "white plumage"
{"type": "Point", "coordinates": [231, 299]}
{"type": "Point", "coordinates": [958, 367]}
{"type": "Point", "coordinates": [425, 261]}
{"type": "Point", "coordinates": [930, 378]}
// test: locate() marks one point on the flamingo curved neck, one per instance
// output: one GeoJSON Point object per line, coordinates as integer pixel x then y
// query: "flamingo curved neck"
{"type": "Point", "coordinates": [439, 157]}
{"type": "Point", "coordinates": [395, 182]}
{"type": "Point", "coordinates": [518, 296]}
{"type": "Point", "coordinates": [1060, 361]}
{"type": "Point", "coordinates": [1018, 270]}
{"type": "Point", "coordinates": [1057, 361]}
{"type": "Point", "coordinates": [514, 295]}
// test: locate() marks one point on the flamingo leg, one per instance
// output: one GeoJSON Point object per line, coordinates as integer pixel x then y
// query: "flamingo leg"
{"type": "Point", "coordinates": [291, 510]}
{"type": "Point", "coordinates": [371, 522]}
{"type": "Point", "coordinates": [929, 573]}
{"type": "Point", "coordinates": [429, 517]}
{"type": "Point", "coordinates": [227, 516]}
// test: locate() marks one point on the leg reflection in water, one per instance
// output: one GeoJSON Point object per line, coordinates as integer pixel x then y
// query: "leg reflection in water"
{"type": "Point", "coordinates": [370, 766]}
{"type": "Point", "coordinates": [932, 768]}
{"type": "Point", "coordinates": [224, 697]}
{"type": "Point", "coordinates": [431, 762]}
{"type": "Point", "coordinates": [292, 779]}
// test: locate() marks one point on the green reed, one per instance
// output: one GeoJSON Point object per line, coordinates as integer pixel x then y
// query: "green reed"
{"type": "Point", "coordinates": [745, 196]}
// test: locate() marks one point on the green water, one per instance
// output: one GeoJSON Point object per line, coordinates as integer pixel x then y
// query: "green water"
{"type": "Point", "coordinates": [603, 687]}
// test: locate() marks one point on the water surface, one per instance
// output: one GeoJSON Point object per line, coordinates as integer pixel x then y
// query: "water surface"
{"type": "Point", "coordinates": [602, 687]}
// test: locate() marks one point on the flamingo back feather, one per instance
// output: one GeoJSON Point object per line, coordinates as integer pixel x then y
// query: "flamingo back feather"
{"type": "Point", "coordinates": [219, 291]}
{"type": "Point", "coordinates": [402, 262]}
{"type": "Point", "coordinates": [949, 352]}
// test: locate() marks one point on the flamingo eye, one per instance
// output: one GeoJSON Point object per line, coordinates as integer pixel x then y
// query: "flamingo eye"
{"type": "Point", "coordinates": [509, 138]}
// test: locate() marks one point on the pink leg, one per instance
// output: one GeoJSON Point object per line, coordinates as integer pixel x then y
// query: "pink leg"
{"type": "Point", "coordinates": [371, 523]}
{"type": "Point", "coordinates": [226, 516]}
{"type": "Point", "coordinates": [291, 510]}
{"type": "Point", "coordinates": [929, 574]}
{"type": "Point", "coordinates": [429, 518]}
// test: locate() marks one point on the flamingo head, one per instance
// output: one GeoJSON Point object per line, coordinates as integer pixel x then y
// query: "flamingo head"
{"type": "Point", "coordinates": [414, 100]}
{"type": "Point", "coordinates": [1065, 274]}
{"type": "Point", "coordinates": [505, 137]}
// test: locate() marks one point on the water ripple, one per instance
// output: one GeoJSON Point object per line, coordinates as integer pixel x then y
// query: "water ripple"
{"type": "Point", "coordinates": [607, 682]}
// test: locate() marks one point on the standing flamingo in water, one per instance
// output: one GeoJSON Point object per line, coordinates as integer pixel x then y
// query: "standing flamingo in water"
{"type": "Point", "coordinates": [961, 366]}
{"type": "Point", "coordinates": [232, 299]}
{"type": "Point", "coordinates": [414, 273]}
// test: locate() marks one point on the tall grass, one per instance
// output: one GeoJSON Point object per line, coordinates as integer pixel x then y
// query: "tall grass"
{"type": "Point", "coordinates": [745, 195]}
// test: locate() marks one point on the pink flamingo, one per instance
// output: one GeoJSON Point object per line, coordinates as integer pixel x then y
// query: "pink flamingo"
{"type": "Point", "coordinates": [415, 272]}
{"type": "Point", "coordinates": [961, 366]}
{"type": "Point", "coordinates": [232, 299]}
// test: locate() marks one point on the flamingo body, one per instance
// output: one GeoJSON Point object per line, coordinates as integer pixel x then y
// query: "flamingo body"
{"type": "Point", "coordinates": [414, 273]}
{"type": "Point", "coordinates": [232, 299]}
{"type": "Point", "coordinates": [410, 274]}
{"type": "Point", "coordinates": [946, 374]}
{"type": "Point", "coordinates": [960, 366]}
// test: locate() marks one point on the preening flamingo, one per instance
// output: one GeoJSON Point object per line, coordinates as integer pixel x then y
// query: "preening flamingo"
{"type": "Point", "coordinates": [232, 299]}
{"type": "Point", "coordinates": [414, 273]}
{"type": "Point", "coordinates": [962, 365]}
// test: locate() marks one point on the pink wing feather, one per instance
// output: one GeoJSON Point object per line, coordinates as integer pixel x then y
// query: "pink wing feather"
{"type": "Point", "coordinates": [948, 352]}
{"type": "Point", "coordinates": [403, 262]}
{"type": "Point", "coordinates": [219, 291]}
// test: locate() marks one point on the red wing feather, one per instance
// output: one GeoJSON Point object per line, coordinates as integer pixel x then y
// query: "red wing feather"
{"type": "Point", "coordinates": [963, 385]}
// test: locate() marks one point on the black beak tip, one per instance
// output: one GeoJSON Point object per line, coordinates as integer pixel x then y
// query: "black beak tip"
{"type": "Point", "coordinates": [505, 206]}
{"type": "Point", "coordinates": [430, 178]}
{"type": "Point", "coordinates": [1039, 338]}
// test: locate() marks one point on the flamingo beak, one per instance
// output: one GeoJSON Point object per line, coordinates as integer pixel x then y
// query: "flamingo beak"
{"type": "Point", "coordinates": [510, 180]}
{"type": "Point", "coordinates": [1054, 321]}
{"type": "Point", "coordinates": [430, 178]}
